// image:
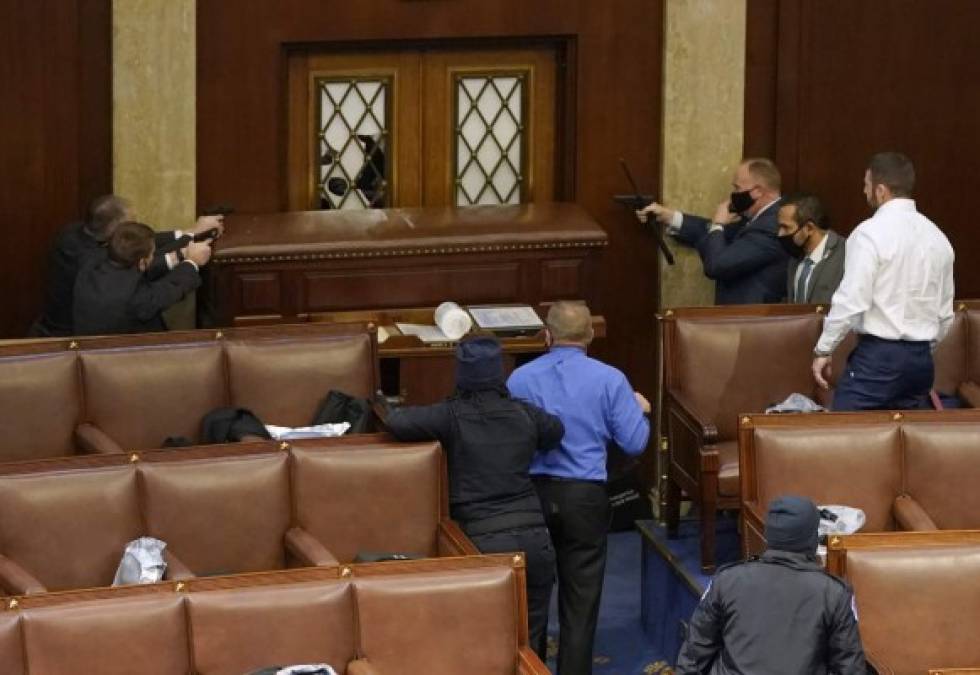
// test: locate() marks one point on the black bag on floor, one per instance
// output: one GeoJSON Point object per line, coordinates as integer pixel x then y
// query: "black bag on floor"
{"type": "Point", "coordinates": [340, 407]}
{"type": "Point", "coordinates": [628, 501]}
{"type": "Point", "coordinates": [229, 425]}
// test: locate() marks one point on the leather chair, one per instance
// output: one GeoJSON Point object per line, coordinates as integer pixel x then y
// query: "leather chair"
{"type": "Point", "coordinates": [108, 637]}
{"type": "Point", "coordinates": [720, 362]}
{"type": "Point", "coordinates": [66, 529]}
{"type": "Point", "coordinates": [225, 515]}
{"type": "Point", "coordinates": [115, 394]}
{"type": "Point", "coordinates": [355, 500]}
{"type": "Point", "coordinates": [41, 403]}
{"type": "Point", "coordinates": [474, 610]}
{"type": "Point", "coordinates": [11, 652]}
{"type": "Point", "coordinates": [941, 474]}
{"type": "Point", "coordinates": [240, 630]}
{"type": "Point", "coordinates": [917, 597]}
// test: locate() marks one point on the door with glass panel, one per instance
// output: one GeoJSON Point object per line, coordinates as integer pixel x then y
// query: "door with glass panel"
{"type": "Point", "coordinates": [421, 127]}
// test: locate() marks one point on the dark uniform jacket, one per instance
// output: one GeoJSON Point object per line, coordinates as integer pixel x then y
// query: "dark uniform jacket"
{"type": "Point", "coordinates": [113, 299]}
{"type": "Point", "coordinates": [489, 439]}
{"type": "Point", "coordinates": [745, 260]}
{"type": "Point", "coordinates": [774, 615]}
{"type": "Point", "coordinates": [824, 277]}
{"type": "Point", "coordinates": [72, 248]}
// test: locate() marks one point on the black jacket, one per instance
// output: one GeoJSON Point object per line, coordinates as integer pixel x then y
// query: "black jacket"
{"type": "Point", "coordinates": [745, 260]}
{"type": "Point", "coordinates": [825, 277]}
{"type": "Point", "coordinates": [72, 249]}
{"type": "Point", "coordinates": [489, 439]}
{"type": "Point", "coordinates": [112, 299]}
{"type": "Point", "coordinates": [777, 614]}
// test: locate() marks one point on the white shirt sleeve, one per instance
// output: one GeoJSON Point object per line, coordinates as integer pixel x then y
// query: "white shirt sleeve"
{"type": "Point", "coordinates": [676, 221]}
{"type": "Point", "coordinates": [854, 295]}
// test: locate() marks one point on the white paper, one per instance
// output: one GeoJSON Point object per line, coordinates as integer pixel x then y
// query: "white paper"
{"type": "Point", "coordinates": [453, 321]}
{"type": "Point", "coordinates": [424, 333]}
{"type": "Point", "coordinates": [506, 317]}
{"type": "Point", "coordinates": [316, 431]}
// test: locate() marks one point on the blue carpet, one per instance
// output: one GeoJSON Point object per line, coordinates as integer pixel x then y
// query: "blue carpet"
{"type": "Point", "coordinates": [621, 648]}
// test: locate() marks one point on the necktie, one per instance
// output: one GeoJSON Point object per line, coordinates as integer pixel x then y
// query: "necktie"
{"type": "Point", "coordinates": [801, 282]}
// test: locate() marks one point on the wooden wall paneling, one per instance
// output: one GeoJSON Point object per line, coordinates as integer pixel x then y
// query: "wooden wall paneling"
{"type": "Point", "coordinates": [761, 59]}
{"type": "Point", "coordinates": [55, 135]}
{"type": "Point", "coordinates": [613, 70]}
{"type": "Point", "coordinates": [858, 78]}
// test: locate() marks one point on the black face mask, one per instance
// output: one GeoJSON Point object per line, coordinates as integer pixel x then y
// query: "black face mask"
{"type": "Point", "coordinates": [740, 202]}
{"type": "Point", "coordinates": [792, 249]}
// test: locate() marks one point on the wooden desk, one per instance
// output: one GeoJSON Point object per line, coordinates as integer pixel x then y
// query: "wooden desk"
{"type": "Point", "coordinates": [286, 267]}
{"type": "Point", "coordinates": [422, 373]}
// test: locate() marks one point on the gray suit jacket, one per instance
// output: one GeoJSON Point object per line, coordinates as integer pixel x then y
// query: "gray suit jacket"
{"type": "Point", "coordinates": [825, 277]}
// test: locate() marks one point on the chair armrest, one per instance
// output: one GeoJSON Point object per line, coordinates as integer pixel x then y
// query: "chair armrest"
{"type": "Point", "coordinates": [176, 569]}
{"type": "Point", "coordinates": [91, 439]}
{"type": "Point", "coordinates": [690, 435]}
{"type": "Point", "coordinates": [529, 663]}
{"type": "Point", "coordinates": [969, 392]}
{"type": "Point", "coordinates": [910, 515]}
{"type": "Point", "coordinates": [362, 667]}
{"type": "Point", "coordinates": [877, 663]}
{"type": "Point", "coordinates": [307, 549]}
{"type": "Point", "coordinates": [452, 541]}
{"type": "Point", "coordinates": [15, 580]}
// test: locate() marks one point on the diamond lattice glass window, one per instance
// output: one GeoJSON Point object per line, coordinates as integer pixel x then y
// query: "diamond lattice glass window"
{"type": "Point", "coordinates": [490, 138]}
{"type": "Point", "coordinates": [353, 159]}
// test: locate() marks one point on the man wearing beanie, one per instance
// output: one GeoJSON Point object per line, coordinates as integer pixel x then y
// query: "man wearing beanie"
{"type": "Point", "coordinates": [778, 613]}
{"type": "Point", "coordinates": [489, 439]}
{"type": "Point", "coordinates": [597, 405]}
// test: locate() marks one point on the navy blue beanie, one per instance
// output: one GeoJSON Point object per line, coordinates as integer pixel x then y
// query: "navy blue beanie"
{"type": "Point", "coordinates": [479, 364]}
{"type": "Point", "coordinates": [791, 525]}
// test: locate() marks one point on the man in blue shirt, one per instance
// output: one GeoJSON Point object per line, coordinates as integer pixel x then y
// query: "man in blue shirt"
{"type": "Point", "coordinates": [596, 405]}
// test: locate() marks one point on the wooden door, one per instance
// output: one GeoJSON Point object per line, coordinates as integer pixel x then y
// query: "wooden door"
{"type": "Point", "coordinates": [420, 127]}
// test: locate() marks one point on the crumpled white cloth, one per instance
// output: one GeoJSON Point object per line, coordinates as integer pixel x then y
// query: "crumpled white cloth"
{"type": "Point", "coordinates": [849, 520]}
{"type": "Point", "coordinates": [142, 562]}
{"type": "Point", "coordinates": [311, 669]}
{"type": "Point", "coordinates": [796, 403]}
{"type": "Point", "coordinates": [316, 431]}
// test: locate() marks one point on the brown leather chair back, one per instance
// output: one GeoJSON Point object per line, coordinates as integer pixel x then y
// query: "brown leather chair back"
{"type": "Point", "coordinates": [352, 501]}
{"type": "Point", "coordinates": [70, 528]}
{"type": "Point", "coordinates": [220, 516]}
{"type": "Point", "coordinates": [855, 465]}
{"type": "Point", "coordinates": [918, 607]}
{"type": "Point", "coordinates": [40, 400]}
{"type": "Point", "coordinates": [240, 630]}
{"type": "Point", "coordinates": [950, 357]}
{"type": "Point", "coordinates": [731, 365]}
{"type": "Point", "coordinates": [443, 623]}
{"type": "Point", "coordinates": [973, 350]}
{"type": "Point", "coordinates": [284, 380]}
{"type": "Point", "coordinates": [11, 652]}
{"type": "Point", "coordinates": [141, 395]}
{"type": "Point", "coordinates": [145, 635]}
{"type": "Point", "coordinates": [941, 466]}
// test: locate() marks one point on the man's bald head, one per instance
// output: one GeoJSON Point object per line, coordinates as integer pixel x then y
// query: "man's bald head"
{"type": "Point", "coordinates": [570, 323]}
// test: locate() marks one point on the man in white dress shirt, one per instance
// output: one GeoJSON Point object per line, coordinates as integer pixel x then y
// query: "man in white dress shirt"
{"type": "Point", "coordinates": [897, 294]}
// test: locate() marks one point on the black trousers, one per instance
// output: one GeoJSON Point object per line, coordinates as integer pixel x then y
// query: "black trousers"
{"type": "Point", "coordinates": [577, 513]}
{"type": "Point", "coordinates": [539, 561]}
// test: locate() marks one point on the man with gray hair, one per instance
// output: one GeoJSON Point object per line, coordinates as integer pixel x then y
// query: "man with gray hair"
{"type": "Point", "coordinates": [596, 405]}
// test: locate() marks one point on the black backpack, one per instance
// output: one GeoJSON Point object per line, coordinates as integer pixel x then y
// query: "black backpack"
{"type": "Point", "coordinates": [229, 425]}
{"type": "Point", "coordinates": [340, 407]}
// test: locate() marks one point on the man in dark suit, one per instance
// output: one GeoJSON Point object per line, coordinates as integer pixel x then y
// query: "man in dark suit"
{"type": "Point", "coordinates": [125, 292]}
{"type": "Point", "coordinates": [78, 241]}
{"type": "Point", "coordinates": [816, 252]}
{"type": "Point", "coordinates": [738, 246]}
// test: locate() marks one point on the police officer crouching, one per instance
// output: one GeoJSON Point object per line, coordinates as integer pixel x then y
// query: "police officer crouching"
{"type": "Point", "coordinates": [489, 439]}
{"type": "Point", "coordinates": [779, 613]}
